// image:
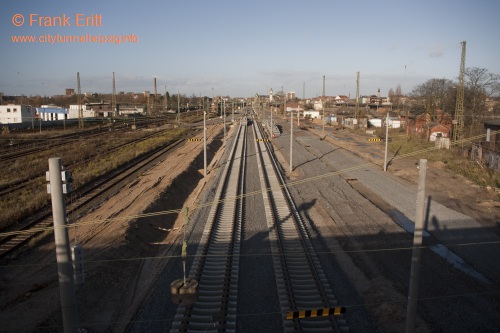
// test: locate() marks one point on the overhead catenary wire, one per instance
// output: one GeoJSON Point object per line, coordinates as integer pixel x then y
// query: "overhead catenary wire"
{"type": "Point", "coordinates": [350, 308]}
{"type": "Point", "coordinates": [249, 255]}
{"type": "Point", "coordinates": [248, 194]}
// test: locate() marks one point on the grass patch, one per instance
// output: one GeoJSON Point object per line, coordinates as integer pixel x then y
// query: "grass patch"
{"type": "Point", "coordinates": [89, 162]}
{"type": "Point", "coordinates": [404, 146]}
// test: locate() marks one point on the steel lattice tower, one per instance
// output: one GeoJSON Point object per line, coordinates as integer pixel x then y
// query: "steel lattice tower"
{"type": "Point", "coordinates": [458, 123]}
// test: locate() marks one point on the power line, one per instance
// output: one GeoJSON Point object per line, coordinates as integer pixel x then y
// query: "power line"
{"type": "Point", "coordinates": [349, 307]}
{"type": "Point", "coordinates": [248, 194]}
{"type": "Point", "coordinates": [253, 255]}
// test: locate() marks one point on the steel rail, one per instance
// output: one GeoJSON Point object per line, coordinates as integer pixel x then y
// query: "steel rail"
{"type": "Point", "coordinates": [302, 285]}
{"type": "Point", "coordinates": [86, 195]}
{"type": "Point", "coordinates": [216, 264]}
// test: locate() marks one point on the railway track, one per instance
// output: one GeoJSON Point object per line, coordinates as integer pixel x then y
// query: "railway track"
{"type": "Point", "coordinates": [90, 195]}
{"type": "Point", "coordinates": [301, 283]}
{"type": "Point", "coordinates": [28, 147]}
{"type": "Point", "coordinates": [216, 265]}
{"type": "Point", "coordinates": [21, 183]}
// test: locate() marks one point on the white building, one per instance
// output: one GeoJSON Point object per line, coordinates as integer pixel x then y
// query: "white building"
{"type": "Point", "coordinates": [87, 112]}
{"type": "Point", "coordinates": [15, 114]}
{"type": "Point", "coordinates": [131, 110]}
{"type": "Point", "coordinates": [378, 122]}
{"type": "Point", "coordinates": [294, 108]}
{"type": "Point", "coordinates": [52, 112]}
{"type": "Point", "coordinates": [312, 114]}
{"type": "Point", "coordinates": [318, 105]}
{"type": "Point", "coordinates": [375, 122]}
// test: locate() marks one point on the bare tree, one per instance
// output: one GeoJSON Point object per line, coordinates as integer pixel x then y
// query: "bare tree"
{"type": "Point", "coordinates": [432, 95]}
{"type": "Point", "coordinates": [480, 86]}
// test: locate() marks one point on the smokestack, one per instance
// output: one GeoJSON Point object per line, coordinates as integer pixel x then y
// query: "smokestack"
{"type": "Point", "coordinates": [155, 87]}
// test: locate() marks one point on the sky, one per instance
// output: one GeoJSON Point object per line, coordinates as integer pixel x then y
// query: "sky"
{"type": "Point", "coordinates": [239, 48]}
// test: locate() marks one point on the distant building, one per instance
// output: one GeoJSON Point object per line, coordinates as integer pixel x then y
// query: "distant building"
{"type": "Point", "coordinates": [312, 114]}
{"type": "Point", "coordinates": [375, 122]}
{"type": "Point", "coordinates": [131, 110]}
{"type": "Point", "coordinates": [16, 113]}
{"type": "Point", "coordinates": [87, 111]}
{"type": "Point", "coordinates": [52, 112]}
{"type": "Point", "coordinates": [294, 106]}
{"type": "Point", "coordinates": [439, 131]}
{"type": "Point", "coordinates": [318, 104]}
{"type": "Point", "coordinates": [341, 99]}
{"type": "Point", "coordinates": [70, 92]}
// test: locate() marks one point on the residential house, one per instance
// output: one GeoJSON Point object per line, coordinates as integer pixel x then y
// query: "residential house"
{"type": "Point", "coordinates": [341, 99]}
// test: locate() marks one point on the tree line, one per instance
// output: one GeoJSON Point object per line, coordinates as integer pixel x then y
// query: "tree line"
{"type": "Point", "coordinates": [481, 98]}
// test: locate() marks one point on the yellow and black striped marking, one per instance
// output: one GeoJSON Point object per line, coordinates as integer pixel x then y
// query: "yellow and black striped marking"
{"type": "Point", "coordinates": [263, 140]}
{"type": "Point", "coordinates": [315, 313]}
{"type": "Point", "coordinates": [375, 139]}
{"type": "Point", "coordinates": [194, 139]}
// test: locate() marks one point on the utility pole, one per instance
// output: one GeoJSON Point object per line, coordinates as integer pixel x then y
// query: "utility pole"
{"type": "Point", "coordinates": [407, 123]}
{"type": "Point", "coordinates": [56, 188]}
{"type": "Point", "coordinates": [303, 103]}
{"type": "Point", "coordinates": [166, 99]}
{"type": "Point", "coordinates": [113, 98]}
{"type": "Point", "coordinates": [79, 98]}
{"type": "Point", "coordinates": [272, 127]}
{"type": "Point", "coordinates": [291, 139]}
{"type": "Point", "coordinates": [224, 116]}
{"type": "Point", "coordinates": [211, 104]}
{"type": "Point", "coordinates": [323, 86]}
{"type": "Point", "coordinates": [458, 122]}
{"type": "Point", "coordinates": [179, 107]}
{"type": "Point", "coordinates": [204, 144]}
{"type": "Point", "coordinates": [411, 309]}
{"type": "Point", "coordinates": [357, 97]}
{"type": "Point", "coordinates": [386, 140]}
{"type": "Point", "coordinates": [323, 107]}
{"type": "Point", "coordinates": [154, 84]}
